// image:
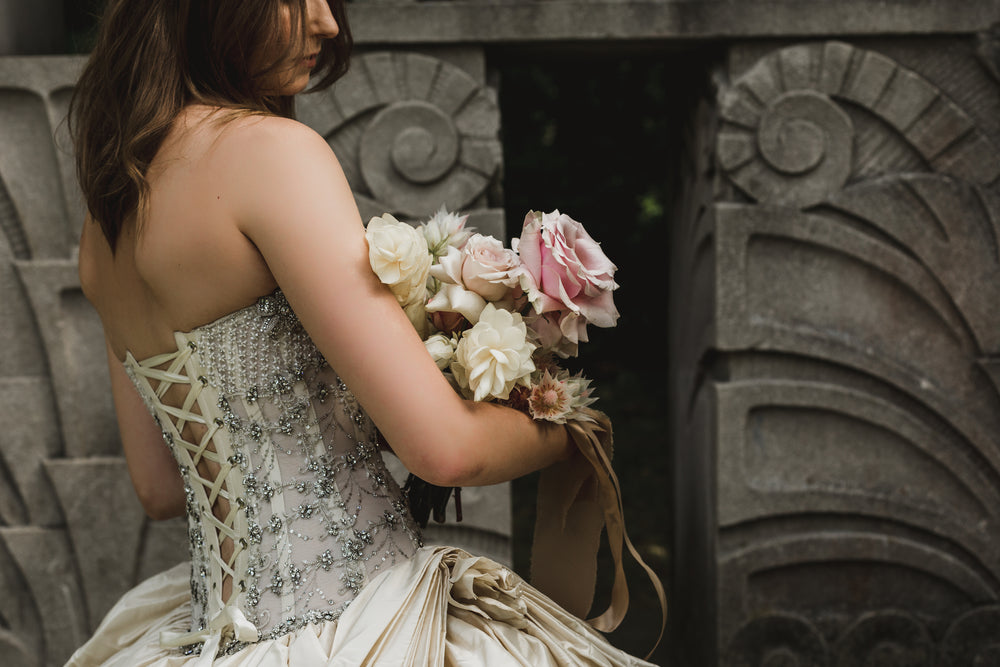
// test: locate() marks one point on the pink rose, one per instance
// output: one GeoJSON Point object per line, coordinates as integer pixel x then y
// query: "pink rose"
{"type": "Point", "coordinates": [487, 267]}
{"type": "Point", "coordinates": [563, 268]}
{"type": "Point", "coordinates": [559, 331]}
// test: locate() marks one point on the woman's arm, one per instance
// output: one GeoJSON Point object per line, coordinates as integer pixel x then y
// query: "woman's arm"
{"type": "Point", "coordinates": [294, 203]}
{"type": "Point", "coordinates": [151, 466]}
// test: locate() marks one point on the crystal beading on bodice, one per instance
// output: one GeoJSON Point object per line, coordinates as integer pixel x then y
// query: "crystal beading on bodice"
{"type": "Point", "coordinates": [268, 436]}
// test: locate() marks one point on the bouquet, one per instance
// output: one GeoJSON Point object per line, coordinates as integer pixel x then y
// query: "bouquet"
{"type": "Point", "coordinates": [495, 319]}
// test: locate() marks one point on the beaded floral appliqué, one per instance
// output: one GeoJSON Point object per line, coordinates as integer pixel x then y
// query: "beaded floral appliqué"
{"type": "Point", "coordinates": [317, 514]}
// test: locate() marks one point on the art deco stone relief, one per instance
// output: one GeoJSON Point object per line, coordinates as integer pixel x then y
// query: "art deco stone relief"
{"type": "Point", "coordinates": [848, 395]}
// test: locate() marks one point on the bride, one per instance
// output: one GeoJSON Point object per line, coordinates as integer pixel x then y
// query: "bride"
{"type": "Point", "coordinates": [227, 260]}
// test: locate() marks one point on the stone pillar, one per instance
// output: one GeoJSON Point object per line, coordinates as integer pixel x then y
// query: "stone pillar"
{"type": "Point", "coordinates": [412, 131]}
{"type": "Point", "coordinates": [837, 385]}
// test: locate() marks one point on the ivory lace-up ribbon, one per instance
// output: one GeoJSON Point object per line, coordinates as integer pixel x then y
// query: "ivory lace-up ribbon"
{"type": "Point", "coordinates": [179, 368]}
{"type": "Point", "coordinates": [576, 499]}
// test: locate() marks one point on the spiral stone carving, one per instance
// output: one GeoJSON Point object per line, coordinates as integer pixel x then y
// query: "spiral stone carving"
{"type": "Point", "coordinates": [406, 153]}
{"type": "Point", "coordinates": [412, 133]}
{"type": "Point", "coordinates": [786, 139]}
{"type": "Point", "coordinates": [806, 138]}
{"type": "Point", "coordinates": [777, 640]}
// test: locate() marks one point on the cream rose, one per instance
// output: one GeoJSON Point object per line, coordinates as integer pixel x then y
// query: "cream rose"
{"type": "Point", "coordinates": [488, 266]}
{"type": "Point", "coordinates": [494, 355]}
{"type": "Point", "coordinates": [441, 349]}
{"type": "Point", "coordinates": [456, 299]}
{"type": "Point", "coordinates": [398, 255]}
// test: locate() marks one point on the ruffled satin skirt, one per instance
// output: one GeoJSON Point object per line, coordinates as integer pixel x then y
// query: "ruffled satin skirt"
{"type": "Point", "coordinates": [441, 607]}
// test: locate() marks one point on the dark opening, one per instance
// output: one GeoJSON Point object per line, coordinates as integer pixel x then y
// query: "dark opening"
{"type": "Point", "coordinates": [598, 132]}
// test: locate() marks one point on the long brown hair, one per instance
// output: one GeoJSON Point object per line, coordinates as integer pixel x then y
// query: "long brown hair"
{"type": "Point", "coordinates": [153, 57]}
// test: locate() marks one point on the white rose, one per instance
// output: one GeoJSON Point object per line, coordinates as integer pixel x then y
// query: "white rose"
{"type": "Point", "coordinates": [441, 349]}
{"type": "Point", "coordinates": [494, 355]}
{"type": "Point", "coordinates": [456, 299]}
{"type": "Point", "coordinates": [448, 268]}
{"type": "Point", "coordinates": [398, 255]}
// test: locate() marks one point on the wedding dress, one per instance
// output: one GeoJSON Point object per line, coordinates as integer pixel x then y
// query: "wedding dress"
{"type": "Point", "coordinates": [302, 549]}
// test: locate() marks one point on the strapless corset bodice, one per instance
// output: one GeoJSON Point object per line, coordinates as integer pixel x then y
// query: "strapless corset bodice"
{"type": "Point", "coordinates": [289, 504]}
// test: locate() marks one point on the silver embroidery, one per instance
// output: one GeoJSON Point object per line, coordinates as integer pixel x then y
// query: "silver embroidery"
{"type": "Point", "coordinates": [319, 514]}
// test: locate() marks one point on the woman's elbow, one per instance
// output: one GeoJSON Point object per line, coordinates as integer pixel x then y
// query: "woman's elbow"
{"type": "Point", "coordinates": [161, 504]}
{"type": "Point", "coordinates": [453, 473]}
{"type": "Point", "coordinates": [455, 465]}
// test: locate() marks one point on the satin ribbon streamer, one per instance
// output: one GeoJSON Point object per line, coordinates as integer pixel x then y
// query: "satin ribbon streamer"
{"type": "Point", "coordinates": [576, 499]}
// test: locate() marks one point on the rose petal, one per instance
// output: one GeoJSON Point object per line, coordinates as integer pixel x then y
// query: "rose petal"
{"type": "Point", "coordinates": [456, 299]}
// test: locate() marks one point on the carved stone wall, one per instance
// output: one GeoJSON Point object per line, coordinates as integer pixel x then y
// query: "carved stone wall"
{"type": "Point", "coordinates": [838, 372]}
{"type": "Point", "coordinates": [412, 131]}
{"type": "Point", "coordinates": [835, 337]}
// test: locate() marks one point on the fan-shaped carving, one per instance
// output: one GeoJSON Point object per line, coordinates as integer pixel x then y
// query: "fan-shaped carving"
{"type": "Point", "coordinates": [30, 170]}
{"type": "Point", "coordinates": [30, 435]}
{"type": "Point", "coordinates": [412, 133]}
{"type": "Point", "coordinates": [11, 225]}
{"type": "Point", "coordinates": [973, 639]}
{"type": "Point", "coordinates": [886, 638]}
{"type": "Point", "coordinates": [774, 640]}
{"type": "Point", "coordinates": [855, 342]}
{"type": "Point", "coordinates": [109, 540]}
{"type": "Point", "coordinates": [945, 224]}
{"type": "Point", "coordinates": [45, 560]}
{"type": "Point", "coordinates": [73, 342]}
{"type": "Point", "coordinates": [15, 652]}
{"type": "Point", "coordinates": [787, 140]}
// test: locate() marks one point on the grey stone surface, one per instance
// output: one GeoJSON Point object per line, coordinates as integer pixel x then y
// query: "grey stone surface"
{"type": "Point", "coordinates": [105, 524]}
{"type": "Point", "coordinates": [412, 132]}
{"type": "Point", "coordinates": [841, 396]}
{"type": "Point", "coordinates": [74, 345]}
{"type": "Point", "coordinates": [30, 436]}
{"type": "Point", "coordinates": [490, 21]}
{"type": "Point", "coordinates": [45, 562]}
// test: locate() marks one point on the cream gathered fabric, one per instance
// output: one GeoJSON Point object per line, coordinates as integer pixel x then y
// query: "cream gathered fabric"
{"type": "Point", "coordinates": [302, 549]}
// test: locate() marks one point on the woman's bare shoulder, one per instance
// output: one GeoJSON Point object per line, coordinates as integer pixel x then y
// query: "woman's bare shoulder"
{"type": "Point", "coordinates": [267, 139]}
{"type": "Point", "coordinates": [277, 168]}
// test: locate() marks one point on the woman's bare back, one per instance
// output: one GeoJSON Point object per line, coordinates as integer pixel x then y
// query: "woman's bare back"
{"type": "Point", "coordinates": [189, 264]}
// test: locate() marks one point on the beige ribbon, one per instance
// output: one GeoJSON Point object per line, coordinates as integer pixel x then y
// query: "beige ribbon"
{"type": "Point", "coordinates": [576, 499]}
{"type": "Point", "coordinates": [230, 621]}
